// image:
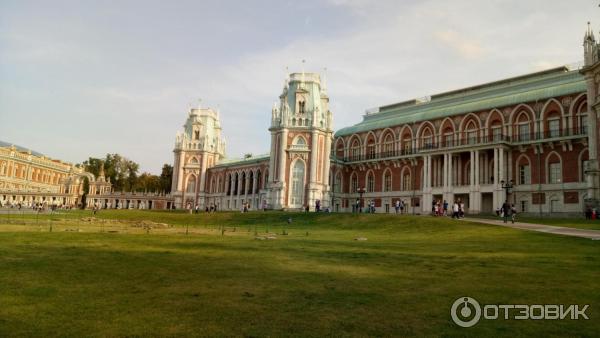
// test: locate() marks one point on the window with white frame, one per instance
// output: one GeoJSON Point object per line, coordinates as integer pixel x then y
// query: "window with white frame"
{"type": "Point", "coordinates": [338, 183]}
{"type": "Point", "coordinates": [355, 150]}
{"type": "Point", "coordinates": [584, 168]}
{"type": "Point", "coordinates": [448, 139]}
{"type": "Point", "coordinates": [427, 141]}
{"type": "Point", "coordinates": [407, 145]}
{"type": "Point", "coordinates": [406, 182]}
{"type": "Point", "coordinates": [387, 182]}
{"type": "Point", "coordinates": [583, 123]}
{"type": "Point", "coordinates": [524, 174]}
{"type": "Point", "coordinates": [354, 183]}
{"type": "Point", "coordinates": [554, 127]}
{"type": "Point", "coordinates": [472, 136]}
{"type": "Point", "coordinates": [388, 145]}
{"type": "Point", "coordinates": [555, 174]}
{"type": "Point", "coordinates": [371, 150]}
{"type": "Point", "coordinates": [497, 133]}
{"type": "Point", "coordinates": [524, 206]}
{"type": "Point", "coordinates": [524, 131]}
{"type": "Point", "coordinates": [370, 182]}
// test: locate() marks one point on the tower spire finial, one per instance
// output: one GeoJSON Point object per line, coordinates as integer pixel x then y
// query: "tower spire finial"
{"type": "Point", "coordinates": [302, 80]}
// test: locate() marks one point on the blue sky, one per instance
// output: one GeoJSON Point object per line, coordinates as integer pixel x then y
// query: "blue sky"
{"type": "Point", "coordinates": [85, 78]}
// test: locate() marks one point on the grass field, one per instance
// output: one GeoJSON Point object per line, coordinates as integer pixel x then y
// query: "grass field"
{"type": "Point", "coordinates": [137, 273]}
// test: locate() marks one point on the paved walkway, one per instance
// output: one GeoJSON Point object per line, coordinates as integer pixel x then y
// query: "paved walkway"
{"type": "Point", "coordinates": [551, 229]}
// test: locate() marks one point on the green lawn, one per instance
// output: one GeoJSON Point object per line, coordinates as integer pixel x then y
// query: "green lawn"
{"type": "Point", "coordinates": [122, 278]}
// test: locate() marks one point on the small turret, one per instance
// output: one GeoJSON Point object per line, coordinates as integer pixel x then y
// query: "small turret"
{"type": "Point", "coordinates": [590, 48]}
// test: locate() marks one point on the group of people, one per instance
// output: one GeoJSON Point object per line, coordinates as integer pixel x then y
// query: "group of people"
{"type": "Point", "coordinates": [208, 208]}
{"type": "Point", "coordinates": [440, 208]}
{"type": "Point", "coordinates": [591, 213]}
{"type": "Point", "coordinates": [370, 208]}
{"type": "Point", "coordinates": [400, 206]}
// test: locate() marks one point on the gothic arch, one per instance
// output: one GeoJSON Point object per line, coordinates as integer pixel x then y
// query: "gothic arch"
{"type": "Point", "coordinates": [370, 174]}
{"type": "Point", "coordinates": [583, 155]}
{"type": "Point", "coordinates": [444, 126]}
{"type": "Point", "coordinates": [547, 165]}
{"type": "Point", "coordinates": [405, 170]}
{"type": "Point", "coordinates": [385, 132]}
{"type": "Point", "coordinates": [494, 113]}
{"type": "Point", "coordinates": [468, 118]}
{"type": "Point", "coordinates": [386, 172]}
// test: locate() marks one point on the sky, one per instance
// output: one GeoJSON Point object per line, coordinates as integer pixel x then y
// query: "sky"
{"type": "Point", "coordinates": [83, 78]}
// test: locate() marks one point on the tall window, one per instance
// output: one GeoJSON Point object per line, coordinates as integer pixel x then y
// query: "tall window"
{"type": "Point", "coordinates": [191, 184]}
{"type": "Point", "coordinates": [555, 174]}
{"type": "Point", "coordinates": [584, 167]}
{"type": "Point", "coordinates": [524, 131]}
{"type": "Point", "coordinates": [355, 150]}
{"type": "Point", "coordinates": [387, 181]}
{"type": "Point", "coordinates": [497, 133]}
{"type": "Point", "coordinates": [407, 146]}
{"type": "Point", "coordinates": [371, 150]}
{"type": "Point", "coordinates": [406, 182]}
{"type": "Point", "coordinates": [297, 184]}
{"type": "Point", "coordinates": [472, 136]}
{"type": "Point", "coordinates": [554, 128]}
{"type": "Point", "coordinates": [448, 139]}
{"type": "Point", "coordinates": [427, 141]}
{"type": "Point", "coordinates": [524, 174]}
{"type": "Point", "coordinates": [338, 183]}
{"type": "Point", "coordinates": [301, 107]}
{"type": "Point", "coordinates": [523, 206]}
{"type": "Point", "coordinates": [388, 146]}
{"type": "Point", "coordinates": [583, 123]}
{"type": "Point", "coordinates": [353, 183]}
{"type": "Point", "coordinates": [370, 182]}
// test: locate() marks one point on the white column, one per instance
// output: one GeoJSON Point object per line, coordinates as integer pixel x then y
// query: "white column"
{"type": "Point", "coordinates": [272, 158]}
{"type": "Point", "coordinates": [476, 166]}
{"type": "Point", "coordinates": [495, 173]}
{"type": "Point", "coordinates": [450, 171]}
{"type": "Point", "coordinates": [472, 169]}
{"type": "Point", "coordinates": [445, 172]}
{"type": "Point", "coordinates": [282, 147]}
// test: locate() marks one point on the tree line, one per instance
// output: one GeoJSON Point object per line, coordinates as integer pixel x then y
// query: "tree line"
{"type": "Point", "coordinates": [124, 174]}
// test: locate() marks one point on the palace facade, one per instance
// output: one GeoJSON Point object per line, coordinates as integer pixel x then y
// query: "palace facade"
{"type": "Point", "coordinates": [29, 178]}
{"type": "Point", "coordinates": [530, 140]}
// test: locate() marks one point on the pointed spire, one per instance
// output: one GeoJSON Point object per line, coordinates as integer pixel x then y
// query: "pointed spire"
{"type": "Point", "coordinates": [324, 81]}
{"type": "Point", "coordinates": [302, 79]}
{"type": "Point", "coordinates": [101, 168]}
{"type": "Point", "coordinates": [286, 81]}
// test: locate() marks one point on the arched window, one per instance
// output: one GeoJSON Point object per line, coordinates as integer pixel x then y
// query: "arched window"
{"type": "Point", "coordinates": [355, 150]}
{"type": "Point", "coordinates": [301, 106]}
{"type": "Point", "coordinates": [471, 132]}
{"type": "Point", "coordinates": [553, 125]}
{"type": "Point", "coordinates": [338, 183]}
{"type": "Point", "coordinates": [388, 146]}
{"type": "Point", "coordinates": [554, 169]}
{"type": "Point", "coordinates": [251, 183]}
{"type": "Point", "coordinates": [300, 141]}
{"type": "Point", "coordinates": [191, 184]}
{"type": "Point", "coordinates": [427, 139]}
{"type": "Point", "coordinates": [406, 182]}
{"type": "Point", "coordinates": [407, 145]}
{"type": "Point", "coordinates": [258, 181]}
{"type": "Point", "coordinates": [297, 197]}
{"type": "Point", "coordinates": [370, 182]}
{"type": "Point", "coordinates": [353, 183]}
{"type": "Point", "coordinates": [523, 131]}
{"type": "Point", "coordinates": [448, 138]}
{"type": "Point", "coordinates": [524, 170]}
{"type": "Point", "coordinates": [387, 181]}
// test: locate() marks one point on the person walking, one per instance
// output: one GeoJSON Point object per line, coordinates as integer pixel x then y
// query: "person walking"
{"type": "Point", "coordinates": [513, 212]}
{"type": "Point", "coordinates": [506, 211]}
{"type": "Point", "coordinates": [397, 206]}
{"type": "Point", "coordinates": [455, 210]}
{"type": "Point", "coordinates": [445, 208]}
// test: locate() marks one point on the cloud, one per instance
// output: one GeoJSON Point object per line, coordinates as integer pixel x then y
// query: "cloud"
{"type": "Point", "coordinates": [466, 48]}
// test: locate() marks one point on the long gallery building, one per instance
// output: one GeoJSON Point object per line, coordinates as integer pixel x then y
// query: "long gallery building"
{"type": "Point", "coordinates": [537, 132]}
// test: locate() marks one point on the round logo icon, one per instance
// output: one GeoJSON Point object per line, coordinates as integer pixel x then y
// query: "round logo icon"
{"type": "Point", "coordinates": [465, 311]}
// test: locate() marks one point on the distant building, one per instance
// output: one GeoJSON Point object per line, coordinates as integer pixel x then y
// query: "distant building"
{"type": "Point", "coordinates": [28, 178]}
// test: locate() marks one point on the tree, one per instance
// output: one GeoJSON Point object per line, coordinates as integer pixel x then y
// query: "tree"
{"type": "Point", "coordinates": [166, 177]}
{"type": "Point", "coordinates": [121, 171]}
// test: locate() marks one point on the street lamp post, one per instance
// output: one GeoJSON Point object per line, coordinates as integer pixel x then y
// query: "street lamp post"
{"type": "Point", "coordinates": [508, 187]}
{"type": "Point", "coordinates": [360, 192]}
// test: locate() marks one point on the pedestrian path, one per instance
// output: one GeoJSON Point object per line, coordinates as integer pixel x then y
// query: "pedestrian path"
{"type": "Point", "coordinates": [551, 229]}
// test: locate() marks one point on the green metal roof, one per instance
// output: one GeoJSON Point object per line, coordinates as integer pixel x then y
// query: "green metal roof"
{"type": "Point", "coordinates": [527, 88]}
{"type": "Point", "coordinates": [229, 162]}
